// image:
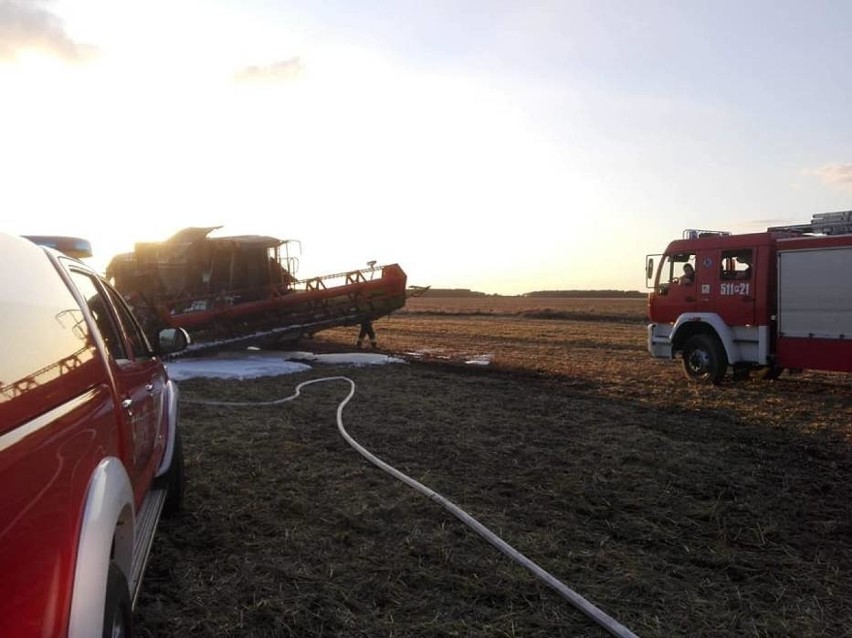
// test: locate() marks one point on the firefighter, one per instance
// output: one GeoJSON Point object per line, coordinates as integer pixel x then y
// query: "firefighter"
{"type": "Point", "coordinates": [366, 331]}
{"type": "Point", "coordinates": [688, 275]}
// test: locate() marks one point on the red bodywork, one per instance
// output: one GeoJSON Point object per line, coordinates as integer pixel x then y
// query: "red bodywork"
{"type": "Point", "coordinates": [709, 292]}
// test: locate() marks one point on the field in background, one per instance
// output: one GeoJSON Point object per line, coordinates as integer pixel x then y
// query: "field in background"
{"type": "Point", "coordinates": [679, 510]}
{"type": "Point", "coordinates": [628, 309]}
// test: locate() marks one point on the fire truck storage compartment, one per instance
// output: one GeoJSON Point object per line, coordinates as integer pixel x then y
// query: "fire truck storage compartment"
{"type": "Point", "coordinates": [815, 293]}
{"type": "Point", "coordinates": [815, 309]}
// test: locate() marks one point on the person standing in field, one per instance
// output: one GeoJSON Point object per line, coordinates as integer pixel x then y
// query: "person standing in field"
{"type": "Point", "coordinates": [366, 331]}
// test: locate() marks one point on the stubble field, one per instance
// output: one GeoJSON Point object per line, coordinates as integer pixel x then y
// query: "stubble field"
{"type": "Point", "coordinates": [678, 510]}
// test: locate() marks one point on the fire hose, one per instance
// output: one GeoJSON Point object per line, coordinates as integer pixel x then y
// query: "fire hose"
{"type": "Point", "coordinates": [597, 615]}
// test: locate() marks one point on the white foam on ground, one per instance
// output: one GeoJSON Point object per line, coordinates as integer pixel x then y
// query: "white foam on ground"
{"type": "Point", "coordinates": [243, 365]}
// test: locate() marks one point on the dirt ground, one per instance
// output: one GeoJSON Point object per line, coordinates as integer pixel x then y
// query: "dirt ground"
{"type": "Point", "coordinates": [677, 510]}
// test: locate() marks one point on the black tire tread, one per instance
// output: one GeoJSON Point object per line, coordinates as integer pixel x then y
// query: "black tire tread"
{"type": "Point", "coordinates": [117, 602]}
{"type": "Point", "coordinates": [719, 360]}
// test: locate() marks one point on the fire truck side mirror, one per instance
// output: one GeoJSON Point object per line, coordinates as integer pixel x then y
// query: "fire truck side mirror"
{"type": "Point", "coordinates": [649, 271]}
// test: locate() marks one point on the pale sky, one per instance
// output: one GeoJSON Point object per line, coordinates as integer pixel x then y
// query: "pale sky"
{"type": "Point", "coordinates": [502, 146]}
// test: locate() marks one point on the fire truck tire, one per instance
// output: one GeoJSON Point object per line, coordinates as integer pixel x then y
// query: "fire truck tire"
{"type": "Point", "coordinates": [118, 614]}
{"type": "Point", "coordinates": [769, 373]}
{"type": "Point", "coordinates": [704, 359]}
{"type": "Point", "coordinates": [175, 480]}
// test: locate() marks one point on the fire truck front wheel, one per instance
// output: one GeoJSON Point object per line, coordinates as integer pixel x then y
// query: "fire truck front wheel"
{"type": "Point", "coordinates": [118, 619]}
{"type": "Point", "coordinates": [175, 480]}
{"type": "Point", "coordinates": [704, 359]}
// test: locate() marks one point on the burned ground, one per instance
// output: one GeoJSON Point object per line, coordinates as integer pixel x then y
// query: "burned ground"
{"type": "Point", "coordinates": [678, 510]}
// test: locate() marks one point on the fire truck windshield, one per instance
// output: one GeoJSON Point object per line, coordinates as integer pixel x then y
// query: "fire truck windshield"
{"type": "Point", "coordinates": [678, 269]}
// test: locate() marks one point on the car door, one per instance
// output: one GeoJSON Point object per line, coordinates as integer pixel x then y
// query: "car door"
{"type": "Point", "coordinates": [676, 291]}
{"type": "Point", "coordinates": [736, 288]}
{"type": "Point", "coordinates": [138, 376]}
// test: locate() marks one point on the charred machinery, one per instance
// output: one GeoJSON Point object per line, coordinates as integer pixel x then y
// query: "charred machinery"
{"type": "Point", "coordinates": [243, 289]}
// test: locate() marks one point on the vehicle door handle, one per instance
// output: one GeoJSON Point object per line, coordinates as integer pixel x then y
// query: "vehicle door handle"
{"type": "Point", "coordinates": [149, 387]}
{"type": "Point", "coordinates": [690, 299]}
{"type": "Point", "coordinates": [126, 404]}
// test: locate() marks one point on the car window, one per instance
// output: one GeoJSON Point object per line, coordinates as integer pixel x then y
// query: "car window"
{"type": "Point", "coordinates": [138, 341]}
{"type": "Point", "coordinates": [48, 355]}
{"type": "Point", "coordinates": [736, 264]}
{"type": "Point", "coordinates": [100, 309]}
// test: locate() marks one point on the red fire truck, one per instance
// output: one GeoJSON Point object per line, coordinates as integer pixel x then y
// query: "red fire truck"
{"type": "Point", "coordinates": [765, 302]}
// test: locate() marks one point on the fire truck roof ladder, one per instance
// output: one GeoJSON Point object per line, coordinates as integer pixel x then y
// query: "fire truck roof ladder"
{"type": "Point", "coordinates": [839, 223]}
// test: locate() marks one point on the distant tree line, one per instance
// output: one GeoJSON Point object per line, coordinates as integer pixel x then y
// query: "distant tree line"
{"type": "Point", "coordinates": [454, 292]}
{"type": "Point", "coordinates": [588, 293]}
{"type": "Point", "coordinates": [599, 294]}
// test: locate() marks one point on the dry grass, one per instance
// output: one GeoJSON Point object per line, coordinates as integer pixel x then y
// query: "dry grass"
{"type": "Point", "coordinates": [680, 511]}
{"type": "Point", "coordinates": [600, 309]}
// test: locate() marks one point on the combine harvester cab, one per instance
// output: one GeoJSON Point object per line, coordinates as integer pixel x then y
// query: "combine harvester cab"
{"type": "Point", "coordinates": [242, 290]}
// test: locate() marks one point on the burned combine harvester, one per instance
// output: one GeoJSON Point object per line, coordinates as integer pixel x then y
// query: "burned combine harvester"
{"type": "Point", "coordinates": [242, 290]}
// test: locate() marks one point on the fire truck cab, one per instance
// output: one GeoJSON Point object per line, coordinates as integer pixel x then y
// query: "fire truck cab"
{"type": "Point", "coordinates": [768, 301]}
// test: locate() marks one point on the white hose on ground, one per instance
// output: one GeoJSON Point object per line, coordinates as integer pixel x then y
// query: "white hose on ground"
{"type": "Point", "coordinates": [601, 618]}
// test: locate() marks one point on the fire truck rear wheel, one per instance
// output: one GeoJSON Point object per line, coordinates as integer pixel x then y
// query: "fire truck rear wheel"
{"type": "Point", "coordinates": [704, 359]}
{"type": "Point", "coordinates": [769, 373]}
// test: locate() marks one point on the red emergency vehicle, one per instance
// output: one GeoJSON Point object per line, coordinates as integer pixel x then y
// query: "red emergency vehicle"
{"type": "Point", "coordinates": [90, 452]}
{"type": "Point", "coordinates": [768, 301]}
